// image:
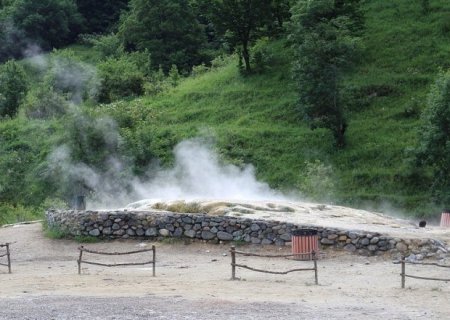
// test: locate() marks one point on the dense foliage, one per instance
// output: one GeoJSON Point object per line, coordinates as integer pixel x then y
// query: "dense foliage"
{"type": "Point", "coordinates": [110, 108]}
{"type": "Point", "coordinates": [168, 29]}
{"type": "Point", "coordinates": [324, 42]}
{"type": "Point", "coordinates": [434, 148]}
{"type": "Point", "coordinates": [13, 86]}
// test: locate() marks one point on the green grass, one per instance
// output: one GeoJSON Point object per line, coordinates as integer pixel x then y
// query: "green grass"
{"type": "Point", "coordinates": [254, 119]}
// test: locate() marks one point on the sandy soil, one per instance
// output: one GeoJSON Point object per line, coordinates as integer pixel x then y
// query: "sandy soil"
{"type": "Point", "coordinates": [193, 282]}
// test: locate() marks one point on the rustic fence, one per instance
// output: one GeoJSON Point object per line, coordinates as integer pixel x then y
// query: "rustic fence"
{"type": "Point", "coordinates": [403, 274]}
{"type": "Point", "coordinates": [7, 255]}
{"type": "Point", "coordinates": [83, 249]}
{"type": "Point", "coordinates": [234, 252]}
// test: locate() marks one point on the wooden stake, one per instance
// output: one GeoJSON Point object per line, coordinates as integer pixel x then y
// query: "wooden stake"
{"type": "Point", "coordinates": [154, 260]}
{"type": "Point", "coordinates": [315, 267]}
{"type": "Point", "coordinates": [233, 263]}
{"type": "Point", "coordinates": [403, 272]}
{"type": "Point", "coordinates": [79, 259]}
{"type": "Point", "coordinates": [9, 258]}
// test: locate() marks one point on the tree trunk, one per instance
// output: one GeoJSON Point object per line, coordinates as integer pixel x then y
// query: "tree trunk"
{"type": "Point", "coordinates": [246, 56]}
{"type": "Point", "coordinates": [339, 135]}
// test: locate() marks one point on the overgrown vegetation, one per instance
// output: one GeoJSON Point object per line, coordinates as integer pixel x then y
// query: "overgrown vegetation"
{"type": "Point", "coordinates": [113, 97]}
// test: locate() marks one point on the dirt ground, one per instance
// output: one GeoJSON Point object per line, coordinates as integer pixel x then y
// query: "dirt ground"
{"type": "Point", "coordinates": [193, 282]}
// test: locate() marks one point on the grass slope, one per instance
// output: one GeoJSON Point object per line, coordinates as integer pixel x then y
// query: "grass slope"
{"type": "Point", "coordinates": [254, 118]}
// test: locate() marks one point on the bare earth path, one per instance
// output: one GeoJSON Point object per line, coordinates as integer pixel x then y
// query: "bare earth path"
{"type": "Point", "coordinates": [192, 282]}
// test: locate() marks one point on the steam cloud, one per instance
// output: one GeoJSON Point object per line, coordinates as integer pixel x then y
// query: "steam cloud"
{"type": "Point", "coordinates": [199, 174]}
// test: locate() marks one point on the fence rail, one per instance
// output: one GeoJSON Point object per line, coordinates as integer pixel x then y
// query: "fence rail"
{"type": "Point", "coordinates": [234, 252]}
{"type": "Point", "coordinates": [7, 254]}
{"type": "Point", "coordinates": [83, 249]}
{"type": "Point", "coordinates": [403, 274]}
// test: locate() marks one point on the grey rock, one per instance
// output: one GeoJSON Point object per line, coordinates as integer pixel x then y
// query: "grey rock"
{"type": "Point", "coordinates": [190, 233]}
{"type": "Point", "coordinates": [400, 246]}
{"type": "Point", "coordinates": [207, 235]}
{"type": "Point", "coordinates": [164, 232]}
{"type": "Point", "coordinates": [327, 241]}
{"type": "Point", "coordinates": [115, 226]}
{"type": "Point", "coordinates": [221, 235]}
{"type": "Point", "coordinates": [350, 247]}
{"type": "Point", "coordinates": [94, 232]}
{"type": "Point", "coordinates": [286, 236]}
{"type": "Point", "coordinates": [151, 232]}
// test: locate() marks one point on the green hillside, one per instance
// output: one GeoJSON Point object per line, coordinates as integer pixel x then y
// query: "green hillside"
{"type": "Point", "coordinates": [254, 119]}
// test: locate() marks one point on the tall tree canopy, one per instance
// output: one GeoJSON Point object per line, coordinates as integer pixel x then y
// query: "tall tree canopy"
{"type": "Point", "coordinates": [242, 19]}
{"type": "Point", "coordinates": [99, 15]}
{"type": "Point", "coordinates": [323, 35]}
{"type": "Point", "coordinates": [434, 138]}
{"type": "Point", "coordinates": [168, 29]}
{"type": "Point", "coordinates": [47, 23]}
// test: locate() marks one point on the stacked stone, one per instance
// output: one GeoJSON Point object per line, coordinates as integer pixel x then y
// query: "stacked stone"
{"type": "Point", "coordinates": [145, 224]}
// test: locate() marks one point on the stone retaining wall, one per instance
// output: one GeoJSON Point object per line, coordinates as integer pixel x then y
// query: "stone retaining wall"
{"type": "Point", "coordinates": [157, 225]}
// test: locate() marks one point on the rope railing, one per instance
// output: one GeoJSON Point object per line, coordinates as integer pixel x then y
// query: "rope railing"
{"type": "Point", "coordinates": [6, 254]}
{"type": "Point", "coordinates": [83, 249]}
{"type": "Point", "coordinates": [234, 252]}
{"type": "Point", "coordinates": [403, 274]}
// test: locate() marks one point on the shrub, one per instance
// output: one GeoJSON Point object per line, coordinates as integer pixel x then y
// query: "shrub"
{"type": "Point", "coordinates": [318, 180]}
{"type": "Point", "coordinates": [13, 87]}
{"type": "Point", "coordinates": [120, 78]}
{"type": "Point", "coordinates": [44, 103]}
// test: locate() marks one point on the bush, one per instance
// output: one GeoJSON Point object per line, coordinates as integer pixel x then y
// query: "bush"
{"type": "Point", "coordinates": [44, 103]}
{"type": "Point", "coordinates": [13, 87]}
{"type": "Point", "coordinates": [107, 45]}
{"type": "Point", "coordinates": [434, 138]}
{"type": "Point", "coordinates": [16, 213]}
{"type": "Point", "coordinates": [318, 180]}
{"type": "Point", "coordinates": [262, 56]}
{"type": "Point", "coordinates": [120, 78]}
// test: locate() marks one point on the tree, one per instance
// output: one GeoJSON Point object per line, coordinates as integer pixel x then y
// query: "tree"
{"type": "Point", "coordinates": [47, 23]}
{"type": "Point", "coordinates": [434, 138]}
{"type": "Point", "coordinates": [323, 35]}
{"type": "Point", "coordinates": [168, 29]}
{"type": "Point", "coordinates": [13, 87]}
{"type": "Point", "coordinates": [100, 16]}
{"type": "Point", "coordinates": [241, 19]}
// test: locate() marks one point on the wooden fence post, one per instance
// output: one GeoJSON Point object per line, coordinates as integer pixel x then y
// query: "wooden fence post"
{"type": "Point", "coordinates": [79, 259]}
{"type": "Point", "coordinates": [233, 263]}
{"type": "Point", "coordinates": [315, 267]}
{"type": "Point", "coordinates": [9, 258]}
{"type": "Point", "coordinates": [403, 272]}
{"type": "Point", "coordinates": [154, 260]}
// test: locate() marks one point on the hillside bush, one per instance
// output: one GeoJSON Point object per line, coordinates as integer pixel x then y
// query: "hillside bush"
{"type": "Point", "coordinates": [120, 78]}
{"type": "Point", "coordinates": [13, 87]}
{"type": "Point", "coordinates": [434, 138]}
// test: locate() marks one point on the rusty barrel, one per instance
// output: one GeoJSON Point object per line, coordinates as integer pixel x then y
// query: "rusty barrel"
{"type": "Point", "coordinates": [445, 218]}
{"type": "Point", "coordinates": [304, 242]}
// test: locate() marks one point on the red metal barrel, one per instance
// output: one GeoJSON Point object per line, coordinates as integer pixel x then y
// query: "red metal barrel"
{"type": "Point", "coordinates": [304, 242]}
{"type": "Point", "coordinates": [445, 218]}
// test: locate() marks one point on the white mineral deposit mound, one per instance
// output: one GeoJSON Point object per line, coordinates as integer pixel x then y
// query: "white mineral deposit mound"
{"type": "Point", "coordinates": [303, 213]}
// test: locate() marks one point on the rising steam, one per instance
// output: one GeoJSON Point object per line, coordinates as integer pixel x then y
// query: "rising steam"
{"type": "Point", "coordinates": [198, 173]}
